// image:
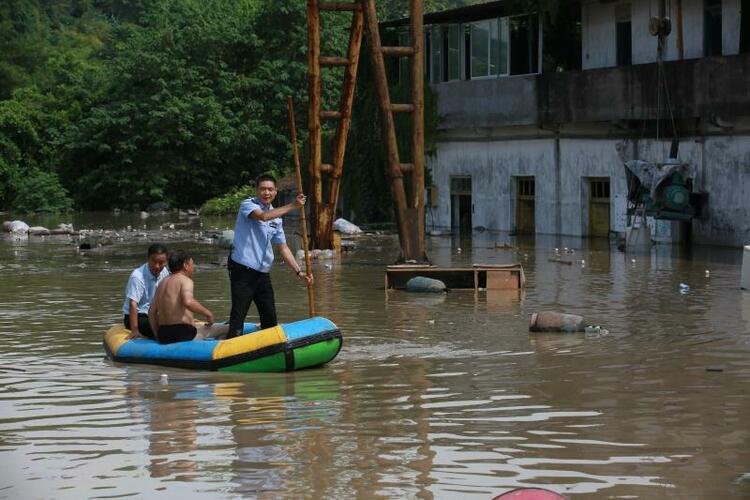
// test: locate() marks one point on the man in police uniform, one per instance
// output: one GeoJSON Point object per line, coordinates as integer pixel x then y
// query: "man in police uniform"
{"type": "Point", "coordinates": [140, 290]}
{"type": "Point", "coordinates": [258, 228]}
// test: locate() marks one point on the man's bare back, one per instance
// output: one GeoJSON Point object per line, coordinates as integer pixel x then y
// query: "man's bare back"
{"type": "Point", "coordinates": [173, 293]}
{"type": "Point", "coordinates": [174, 304]}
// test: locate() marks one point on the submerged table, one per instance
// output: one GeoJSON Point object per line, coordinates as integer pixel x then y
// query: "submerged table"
{"type": "Point", "coordinates": [476, 277]}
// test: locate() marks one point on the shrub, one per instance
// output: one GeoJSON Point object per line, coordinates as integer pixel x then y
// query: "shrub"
{"type": "Point", "coordinates": [41, 192]}
{"type": "Point", "coordinates": [229, 203]}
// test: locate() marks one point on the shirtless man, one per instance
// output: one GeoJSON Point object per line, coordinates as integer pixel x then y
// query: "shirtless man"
{"type": "Point", "coordinates": [171, 312]}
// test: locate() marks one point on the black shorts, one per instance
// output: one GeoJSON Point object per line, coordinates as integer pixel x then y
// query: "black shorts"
{"type": "Point", "coordinates": [143, 326]}
{"type": "Point", "coordinates": [181, 332]}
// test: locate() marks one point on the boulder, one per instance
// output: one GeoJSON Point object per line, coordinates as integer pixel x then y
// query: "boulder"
{"type": "Point", "coordinates": [17, 227]}
{"type": "Point", "coordinates": [158, 207]}
{"type": "Point", "coordinates": [422, 284]}
{"type": "Point", "coordinates": [345, 227]}
{"type": "Point", "coordinates": [38, 231]}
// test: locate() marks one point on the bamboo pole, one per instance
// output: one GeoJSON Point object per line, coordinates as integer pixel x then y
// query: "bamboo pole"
{"type": "Point", "coordinates": [417, 120]}
{"type": "Point", "coordinates": [313, 114]}
{"type": "Point", "coordinates": [303, 219]}
{"type": "Point", "coordinates": [389, 127]}
{"type": "Point", "coordinates": [347, 100]}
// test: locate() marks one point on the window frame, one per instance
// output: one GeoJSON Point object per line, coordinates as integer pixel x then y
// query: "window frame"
{"type": "Point", "coordinates": [502, 25]}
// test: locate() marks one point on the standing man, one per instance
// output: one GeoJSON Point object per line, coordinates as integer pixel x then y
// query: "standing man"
{"type": "Point", "coordinates": [140, 292]}
{"type": "Point", "coordinates": [258, 227]}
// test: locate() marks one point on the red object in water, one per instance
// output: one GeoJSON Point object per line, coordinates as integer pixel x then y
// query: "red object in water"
{"type": "Point", "coordinates": [530, 494]}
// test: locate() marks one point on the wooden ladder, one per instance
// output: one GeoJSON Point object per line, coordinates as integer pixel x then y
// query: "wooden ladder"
{"type": "Point", "coordinates": [409, 208]}
{"type": "Point", "coordinates": [324, 201]}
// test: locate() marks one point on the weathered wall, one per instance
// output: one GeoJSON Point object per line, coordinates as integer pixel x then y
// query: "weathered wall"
{"type": "Point", "coordinates": [579, 160]}
{"type": "Point", "coordinates": [721, 164]}
{"type": "Point", "coordinates": [598, 35]}
{"type": "Point", "coordinates": [492, 166]}
{"type": "Point", "coordinates": [484, 103]}
{"type": "Point", "coordinates": [599, 41]}
{"type": "Point", "coordinates": [726, 177]}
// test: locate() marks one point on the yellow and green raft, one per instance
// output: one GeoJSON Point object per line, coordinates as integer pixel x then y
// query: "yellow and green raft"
{"type": "Point", "coordinates": [286, 347]}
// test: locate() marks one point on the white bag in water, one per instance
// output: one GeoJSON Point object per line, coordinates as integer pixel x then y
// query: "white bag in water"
{"type": "Point", "coordinates": [345, 227]}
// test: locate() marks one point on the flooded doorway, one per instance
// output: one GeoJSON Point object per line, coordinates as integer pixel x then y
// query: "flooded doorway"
{"type": "Point", "coordinates": [525, 205]}
{"type": "Point", "coordinates": [461, 205]}
{"type": "Point", "coordinates": [599, 204]}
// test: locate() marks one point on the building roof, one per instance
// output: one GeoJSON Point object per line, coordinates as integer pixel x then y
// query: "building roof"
{"type": "Point", "coordinates": [460, 15]}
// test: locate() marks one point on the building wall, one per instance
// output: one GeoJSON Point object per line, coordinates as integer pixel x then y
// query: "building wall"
{"type": "Point", "coordinates": [599, 40]}
{"type": "Point", "coordinates": [721, 165]}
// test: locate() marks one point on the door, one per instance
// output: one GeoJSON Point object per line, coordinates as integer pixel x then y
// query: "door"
{"type": "Point", "coordinates": [461, 205]}
{"type": "Point", "coordinates": [525, 205]}
{"type": "Point", "coordinates": [599, 204]}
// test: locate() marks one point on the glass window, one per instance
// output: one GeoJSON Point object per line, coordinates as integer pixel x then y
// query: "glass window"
{"type": "Point", "coordinates": [489, 48]}
{"type": "Point", "coordinates": [454, 52]}
{"type": "Point", "coordinates": [436, 55]}
{"type": "Point", "coordinates": [480, 53]}
{"type": "Point", "coordinates": [503, 47]}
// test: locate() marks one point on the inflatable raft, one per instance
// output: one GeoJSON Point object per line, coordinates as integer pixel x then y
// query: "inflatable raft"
{"type": "Point", "coordinates": [293, 346]}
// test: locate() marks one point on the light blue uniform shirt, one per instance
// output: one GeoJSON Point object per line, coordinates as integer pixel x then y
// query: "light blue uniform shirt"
{"type": "Point", "coordinates": [141, 288]}
{"type": "Point", "coordinates": [254, 239]}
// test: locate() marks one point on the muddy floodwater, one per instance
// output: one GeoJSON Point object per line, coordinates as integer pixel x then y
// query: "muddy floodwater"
{"type": "Point", "coordinates": [432, 396]}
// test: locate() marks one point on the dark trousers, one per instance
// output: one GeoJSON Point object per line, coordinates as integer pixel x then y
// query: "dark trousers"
{"type": "Point", "coordinates": [143, 325]}
{"type": "Point", "coordinates": [249, 285]}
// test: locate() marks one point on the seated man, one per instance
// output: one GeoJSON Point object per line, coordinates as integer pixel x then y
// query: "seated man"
{"type": "Point", "coordinates": [171, 312]}
{"type": "Point", "coordinates": [140, 291]}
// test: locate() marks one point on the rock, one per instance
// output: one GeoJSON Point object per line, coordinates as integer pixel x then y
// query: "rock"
{"type": "Point", "coordinates": [38, 231]}
{"type": "Point", "coordinates": [158, 207]}
{"type": "Point", "coordinates": [425, 285]}
{"type": "Point", "coordinates": [346, 227]}
{"type": "Point", "coordinates": [94, 240]}
{"type": "Point", "coordinates": [17, 227]}
{"type": "Point", "coordinates": [144, 215]}
{"type": "Point", "coordinates": [550, 321]}
{"type": "Point", "coordinates": [225, 239]}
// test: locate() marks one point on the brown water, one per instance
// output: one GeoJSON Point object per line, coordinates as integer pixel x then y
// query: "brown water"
{"type": "Point", "coordinates": [431, 396]}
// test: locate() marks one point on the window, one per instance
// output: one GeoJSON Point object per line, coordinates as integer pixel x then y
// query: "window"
{"type": "Point", "coordinates": [453, 52]}
{"type": "Point", "coordinates": [524, 44]}
{"type": "Point", "coordinates": [623, 35]}
{"type": "Point", "coordinates": [489, 48]}
{"type": "Point", "coordinates": [461, 185]}
{"type": "Point", "coordinates": [480, 49]}
{"type": "Point", "coordinates": [526, 188]}
{"type": "Point", "coordinates": [444, 50]}
{"type": "Point", "coordinates": [436, 54]}
{"type": "Point", "coordinates": [600, 189]}
{"type": "Point", "coordinates": [428, 57]}
{"type": "Point", "coordinates": [712, 28]}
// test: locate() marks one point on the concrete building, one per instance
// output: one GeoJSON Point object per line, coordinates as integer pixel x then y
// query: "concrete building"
{"type": "Point", "coordinates": [533, 109]}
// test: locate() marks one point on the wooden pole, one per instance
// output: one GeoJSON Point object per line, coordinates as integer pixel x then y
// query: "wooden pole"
{"type": "Point", "coordinates": [347, 100]}
{"type": "Point", "coordinates": [313, 114]}
{"type": "Point", "coordinates": [303, 219]}
{"type": "Point", "coordinates": [680, 44]}
{"type": "Point", "coordinates": [417, 121]}
{"type": "Point", "coordinates": [389, 129]}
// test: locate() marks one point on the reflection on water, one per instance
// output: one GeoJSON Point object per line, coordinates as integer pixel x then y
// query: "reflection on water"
{"type": "Point", "coordinates": [440, 396]}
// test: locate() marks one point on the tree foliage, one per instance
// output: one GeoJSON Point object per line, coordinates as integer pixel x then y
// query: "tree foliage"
{"type": "Point", "coordinates": [121, 103]}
